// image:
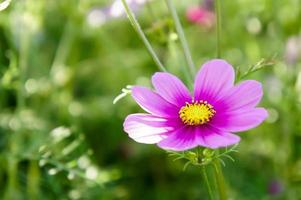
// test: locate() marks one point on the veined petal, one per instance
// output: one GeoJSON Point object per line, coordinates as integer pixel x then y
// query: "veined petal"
{"type": "Point", "coordinates": [243, 96]}
{"type": "Point", "coordinates": [153, 103]}
{"type": "Point", "coordinates": [171, 88]}
{"type": "Point", "coordinates": [213, 80]}
{"type": "Point", "coordinates": [146, 128]}
{"type": "Point", "coordinates": [180, 140]}
{"type": "Point", "coordinates": [213, 138]}
{"type": "Point", "coordinates": [239, 120]}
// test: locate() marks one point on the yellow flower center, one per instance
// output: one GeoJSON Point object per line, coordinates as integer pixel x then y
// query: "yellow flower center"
{"type": "Point", "coordinates": [196, 113]}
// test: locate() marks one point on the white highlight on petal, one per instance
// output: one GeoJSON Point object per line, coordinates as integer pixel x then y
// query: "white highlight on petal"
{"type": "Point", "coordinates": [146, 129]}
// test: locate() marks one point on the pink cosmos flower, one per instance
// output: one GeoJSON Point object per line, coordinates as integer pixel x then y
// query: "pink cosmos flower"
{"type": "Point", "coordinates": [179, 121]}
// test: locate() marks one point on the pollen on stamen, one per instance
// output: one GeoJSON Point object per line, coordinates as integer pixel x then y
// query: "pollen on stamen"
{"type": "Point", "coordinates": [196, 113]}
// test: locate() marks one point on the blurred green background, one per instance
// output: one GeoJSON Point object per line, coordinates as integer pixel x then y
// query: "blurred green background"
{"type": "Point", "coordinates": [63, 62]}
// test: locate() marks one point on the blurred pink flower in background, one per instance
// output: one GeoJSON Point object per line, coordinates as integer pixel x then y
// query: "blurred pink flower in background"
{"type": "Point", "coordinates": [293, 50]}
{"type": "Point", "coordinates": [98, 16]}
{"type": "Point", "coordinates": [202, 15]}
{"type": "Point", "coordinates": [275, 188]}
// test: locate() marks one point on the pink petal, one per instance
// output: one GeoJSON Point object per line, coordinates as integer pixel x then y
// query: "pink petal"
{"type": "Point", "coordinates": [180, 140]}
{"type": "Point", "coordinates": [213, 80]}
{"type": "Point", "coordinates": [153, 103]}
{"type": "Point", "coordinates": [171, 88]}
{"type": "Point", "coordinates": [242, 96]}
{"type": "Point", "coordinates": [213, 138]}
{"type": "Point", "coordinates": [146, 128]}
{"type": "Point", "coordinates": [239, 120]}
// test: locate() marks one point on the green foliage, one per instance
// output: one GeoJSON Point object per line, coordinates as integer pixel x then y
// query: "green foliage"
{"type": "Point", "coordinates": [202, 157]}
{"type": "Point", "coordinates": [61, 136]}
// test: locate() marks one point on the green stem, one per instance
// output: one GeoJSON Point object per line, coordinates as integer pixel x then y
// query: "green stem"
{"type": "Point", "coordinates": [63, 49]}
{"type": "Point", "coordinates": [23, 57]}
{"type": "Point", "coordinates": [220, 180]}
{"type": "Point", "coordinates": [182, 37]}
{"type": "Point", "coordinates": [33, 176]}
{"type": "Point", "coordinates": [209, 189]}
{"type": "Point", "coordinates": [140, 32]}
{"type": "Point", "coordinates": [218, 27]}
{"type": "Point", "coordinates": [12, 190]}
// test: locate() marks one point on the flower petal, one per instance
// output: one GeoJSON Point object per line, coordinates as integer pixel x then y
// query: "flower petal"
{"type": "Point", "coordinates": [213, 79]}
{"type": "Point", "coordinates": [146, 128]}
{"type": "Point", "coordinates": [153, 103]}
{"type": "Point", "coordinates": [214, 138]}
{"type": "Point", "coordinates": [239, 120]}
{"type": "Point", "coordinates": [245, 95]}
{"type": "Point", "coordinates": [180, 140]}
{"type": "Point", "coordinates": [171, 88]}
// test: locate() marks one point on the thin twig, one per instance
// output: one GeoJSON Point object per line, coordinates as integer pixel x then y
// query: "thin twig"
{"type": "Point", "coordinates": [207, 182]}
{"type": "Point", "coordinates": [141, 34]}
{"type": "Point", "coordinates": [182, 37]}
{"type": "Point", "coordinates": [218, 28]}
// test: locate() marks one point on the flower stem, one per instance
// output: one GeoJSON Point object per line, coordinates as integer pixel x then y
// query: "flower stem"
{"type": "Point", "coordinates": [220, 180]}
{"type": "Point", "coordinates": [181, 35]}
{"type": "Point", "coordinates": [218, 27]}
{"type": "Point", "coordinates": [23, 59]}
{"type": "Point", "coordinates": [63, 49]}
{"type": "Point", "coordinates": [141, 34]}
{"type": "Point", "coordinates": [207, 183]}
